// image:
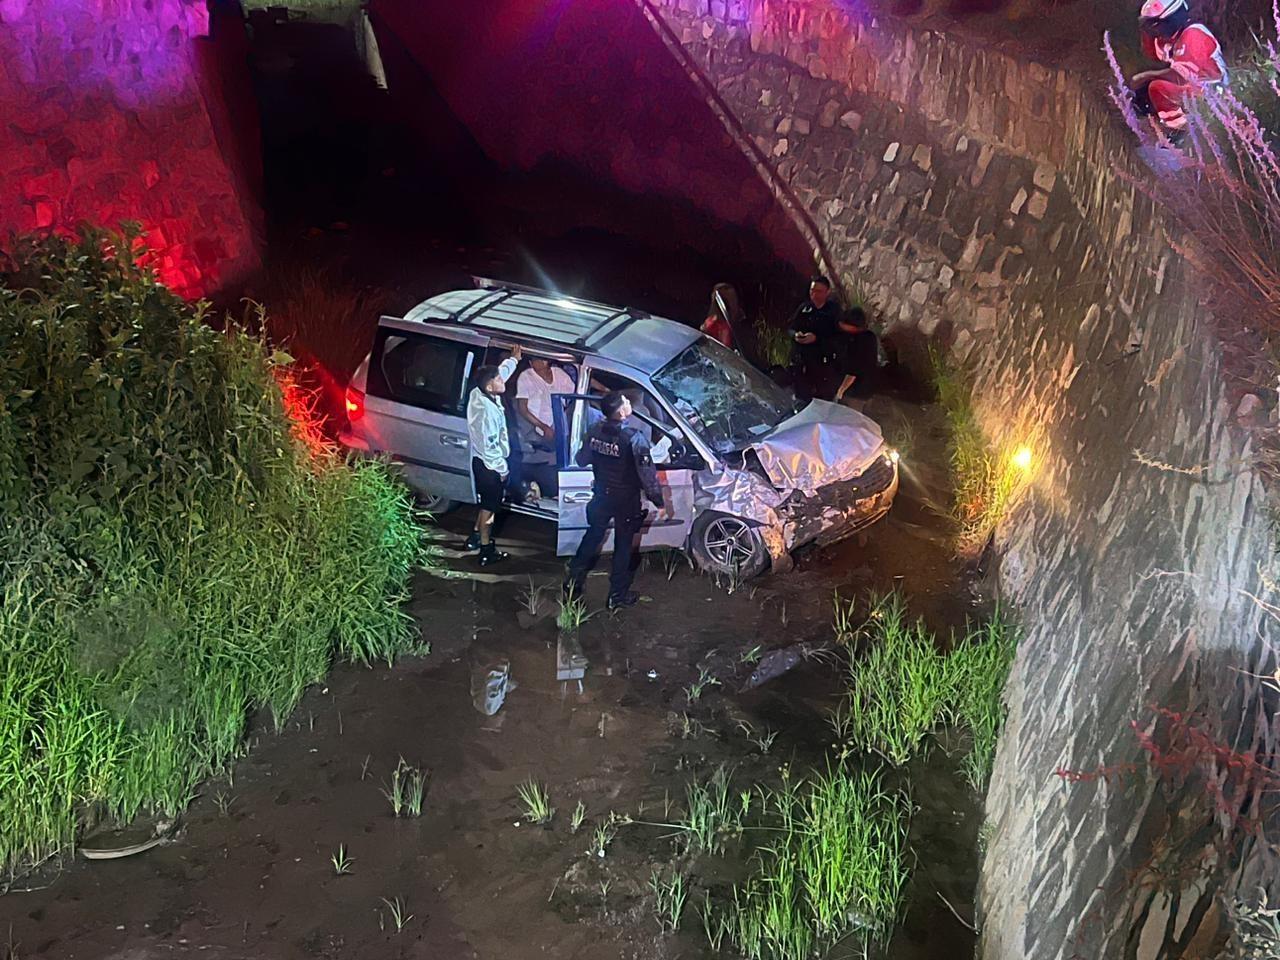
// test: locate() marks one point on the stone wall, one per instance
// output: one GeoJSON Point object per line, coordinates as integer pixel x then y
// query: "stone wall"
{"type": "Point", "coordinates": [987, 203]}
{"type": "Point", "coordinates": [129, 110]}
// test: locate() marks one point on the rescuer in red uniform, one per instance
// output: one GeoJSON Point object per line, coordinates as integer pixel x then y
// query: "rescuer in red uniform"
{"type": "Point", "coordinates": [1194, 59]}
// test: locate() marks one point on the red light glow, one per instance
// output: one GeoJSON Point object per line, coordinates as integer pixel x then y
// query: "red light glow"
{"type": "Point", "coordinates": [355, 404]}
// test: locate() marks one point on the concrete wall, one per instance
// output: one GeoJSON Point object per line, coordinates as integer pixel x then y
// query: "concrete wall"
{"type": "Point", "coordinates": [988, 203]}
{"type": "Point", "coordinates": [114, 110]}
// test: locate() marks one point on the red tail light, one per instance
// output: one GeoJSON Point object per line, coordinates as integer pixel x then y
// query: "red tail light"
{"type": "Point", "coordinates": [355, 404]}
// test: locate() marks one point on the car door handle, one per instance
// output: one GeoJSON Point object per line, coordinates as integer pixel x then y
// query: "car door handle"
{"type": "Point", "coordinates": [453, 440]}
{"type": "Point", "coordinates": [583, 496]}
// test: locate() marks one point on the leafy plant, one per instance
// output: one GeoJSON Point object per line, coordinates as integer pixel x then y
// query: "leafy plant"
{"type": "Point", "coordinates": [669, 897]}
{"type": "Point", "coordinates": [694, 691]}
{"type": "Point", "coordinates": [578, 818]}
{"type": "Point", "coordinates": [400, 915]}
{"type": "Point", "coordinates": [573, 612]}
{"type": "Point", "coordinates": [176, 543]}
{"type": "Point", "coordinates": [341, 861]}
{"type": "Point", "coordinates": [536, 801]}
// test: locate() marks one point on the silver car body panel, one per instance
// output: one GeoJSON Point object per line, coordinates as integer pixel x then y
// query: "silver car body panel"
{"type": "Point", "coordinates": [824, 443]}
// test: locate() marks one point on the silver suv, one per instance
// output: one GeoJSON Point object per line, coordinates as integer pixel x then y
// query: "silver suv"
{"type": "Point", "coordinates": [753, 472]}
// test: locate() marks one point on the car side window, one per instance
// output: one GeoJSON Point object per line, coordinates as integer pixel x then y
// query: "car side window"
{"type": "Point", "coordinates": [426, 372]}
{"type": "Point", "coordinates": [644, 403]}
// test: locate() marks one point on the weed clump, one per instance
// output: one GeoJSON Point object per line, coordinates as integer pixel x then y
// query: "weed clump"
{"type": "Point", "coordinates": [986, 480]}
{"type": "Point", "coordinates": [898, 692]}
{"type": "Point", "coordinates": [903, 688]}
{"type": "Point", "coordinates": [829, 861]}
{"type": "Point", "coordinates": [179, 546]}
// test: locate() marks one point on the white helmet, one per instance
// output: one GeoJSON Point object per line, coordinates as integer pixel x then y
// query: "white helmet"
{"type": "Point", "coordinates": [1164, 18]}
{"type": "Point", "coordinates": [1159, 9]}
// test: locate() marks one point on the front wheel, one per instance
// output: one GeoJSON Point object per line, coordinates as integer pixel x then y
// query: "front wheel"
{"type": "Point", "coordinates": [727, 545]}
{"type": "Point", "coordinates": [435, 504]}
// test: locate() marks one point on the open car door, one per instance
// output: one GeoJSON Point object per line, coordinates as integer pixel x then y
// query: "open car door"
{"type": "Point", "coordinates": [574, 413]}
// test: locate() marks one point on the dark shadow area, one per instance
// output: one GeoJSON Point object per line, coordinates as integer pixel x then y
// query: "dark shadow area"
{"type": "Point", "coordinates": [390, 187]}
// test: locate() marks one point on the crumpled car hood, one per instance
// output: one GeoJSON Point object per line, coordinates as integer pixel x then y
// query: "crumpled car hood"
{"type": "Point", "coordinates": [823, 443]}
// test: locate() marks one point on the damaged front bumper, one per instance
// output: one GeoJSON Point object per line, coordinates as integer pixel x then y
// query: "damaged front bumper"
{"type": "Point", "coordinates": [839, 509]}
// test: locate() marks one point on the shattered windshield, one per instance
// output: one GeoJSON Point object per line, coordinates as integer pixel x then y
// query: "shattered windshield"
{"type": "Point", "coordinates": [726, 400]}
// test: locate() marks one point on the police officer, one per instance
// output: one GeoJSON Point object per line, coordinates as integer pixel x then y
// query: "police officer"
{"type": "Point", "coordinates": [622, 466]}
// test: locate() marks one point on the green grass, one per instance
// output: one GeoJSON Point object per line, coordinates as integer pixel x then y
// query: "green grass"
{"type": "Point", "coordinates": [177, 550]}
{"type": "Point", "coordinates": [986, 481]}
{"type": "Point", "coordinates": [536, 802]}
{"type": "Point", "coordinates": [573, 612]}
{"type": "Point", "coordinates": [831, 861]}
{"type": "Point", "coordinates": [669, 896]}
{"type": "Point", "coordinates": [713, 815]}
{"type": "Point", "coordinates": [773, 345]}
{"type": "Point", "coordinates": [341, 861]}
{"type": "Point", "coordinates": [904, 688]}
{"type": "Point", "coordinates": [899, 692]}
{"type": "Point", "coordinates": [406, 791]}
{"type": "Point", "coordinates": [980, 666]}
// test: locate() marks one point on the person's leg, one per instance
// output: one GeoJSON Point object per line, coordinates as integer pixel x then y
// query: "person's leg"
{"type": "Point", "coordinates": [626, 524]}
{"type": "Point", "coordinates": [489, 492]}
{"type": "Point", "coordinates": [1142, 99]}
{"type": "Point", "coordinates": [1166, 100]}
{"type": "Point", "coordinates": [589, 547]}
{"type": "Point", "coordinates": [845, 384]}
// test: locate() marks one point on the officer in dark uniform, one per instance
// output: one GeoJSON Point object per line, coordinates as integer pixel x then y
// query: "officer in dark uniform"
{"type": "Point", "coordinates": [814, 329]}
{"type": "Point", "coordinates": [622, 466]}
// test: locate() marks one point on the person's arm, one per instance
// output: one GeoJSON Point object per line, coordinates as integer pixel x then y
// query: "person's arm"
{"type": "Point", "coordinates": [648, 473]}
{"type": "Point", "coordinates": [799, 328]}
{"type": "Point", "coordinates": [1164, 73]}
{"type": "Point", "coordinates": [522, 408]}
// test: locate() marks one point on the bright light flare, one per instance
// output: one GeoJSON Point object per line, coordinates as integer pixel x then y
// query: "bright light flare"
{"type": "Point", "coordinates": [1022, 458]}
{"type": "Point", "coordinates": [894, 456]}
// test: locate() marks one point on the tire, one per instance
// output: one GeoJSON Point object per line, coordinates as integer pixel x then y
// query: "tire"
{"type": "Point", "coordinates": [724, 544]}
{"type": "Point", "coordinates": [435, 505]}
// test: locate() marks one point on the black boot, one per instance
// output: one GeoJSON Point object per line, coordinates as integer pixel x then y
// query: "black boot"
{"type": "Point", "coordinates": [490, 554]}
{"type": "Point", "coordinates": [619, 600]}
{"type": "Point", "coordinates": [472, 542]}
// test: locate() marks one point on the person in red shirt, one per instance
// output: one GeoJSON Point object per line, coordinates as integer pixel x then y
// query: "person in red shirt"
{"type": "Point", "coordinates": [1193, 57]}
{"type": "Point", "coordinates": [723, 314]}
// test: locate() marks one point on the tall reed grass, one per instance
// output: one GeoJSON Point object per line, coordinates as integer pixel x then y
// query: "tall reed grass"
{"type": "Point", "coordinates": [832, 862]}
{"type": "Point", "coordinates": [900, 690]}
{"type": "Point", "coordinates": [175, 551]}
{"type": "Point", "coordinates": [903, 687]}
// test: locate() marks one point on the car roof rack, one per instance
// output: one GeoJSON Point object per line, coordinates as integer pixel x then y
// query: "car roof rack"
{"type": "Point", "coordinates": [531, 312]}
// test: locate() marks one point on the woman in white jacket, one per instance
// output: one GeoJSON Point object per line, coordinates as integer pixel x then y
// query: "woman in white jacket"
{"type": "Point", "coordinates": [490, 448]}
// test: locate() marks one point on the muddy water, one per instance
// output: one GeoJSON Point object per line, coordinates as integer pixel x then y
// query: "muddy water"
{"type": "Point", "coordinates": [249, 873]}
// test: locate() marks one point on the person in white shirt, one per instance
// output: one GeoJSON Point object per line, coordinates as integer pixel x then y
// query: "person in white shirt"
{"type": "Point", "coordinates": [490, 448]}
{"type": "Point", "coordinates": [534, 390]}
